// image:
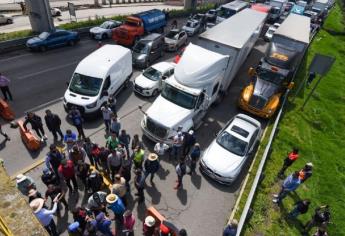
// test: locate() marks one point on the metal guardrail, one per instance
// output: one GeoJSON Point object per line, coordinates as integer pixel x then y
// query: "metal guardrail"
{"type": "Point", "coordinates": [260, 168]}
{"type": "Point", "coordinates": [16, 44]}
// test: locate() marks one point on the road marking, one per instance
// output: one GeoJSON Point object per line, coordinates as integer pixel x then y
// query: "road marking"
{"type": "Point", "coordinates": [47, 70]}
{"type": "Point", "coordinates": [15, 57]}
{"type": "Point", "coordinates": [29, 168]}
{"type": "Point", "coordinates": [44, 105]}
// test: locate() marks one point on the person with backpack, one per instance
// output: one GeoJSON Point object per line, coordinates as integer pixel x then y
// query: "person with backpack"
{"type": "Point", "coordinates": [49, 177]}
{"type": "Point", "coordinates": [53, 123]}
{"type": "Point", "coordinates": [321, 216]}
{"type": "Point", "coordinates": [77, 121]}
{"type": "Point", "coordinates": [95, 181]}
{"type": "Point", "coordinates": [181, 170]}
{"type": "Point", "coordinates": [97, 202]}
{"type": "Point", "coordinates": [36, 124]}
{"type": "Point", "coordinates": [151, 166]}
{"type": "Point", "coordinates": [53, 159]}
{"type": "Point", "coordinates": [289, 160]}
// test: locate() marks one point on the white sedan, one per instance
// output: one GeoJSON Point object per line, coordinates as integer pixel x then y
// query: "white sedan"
{"type": "Point", "coordinates": [5, 19]}
{"type": "Point", "coordinates": [104, 31]}
{"type": "Point", "coordinates": [192, 27]}
{"type": "Point", "coordinates": [149, 83]}
{"type": "Point", "coordinates": [224, 159]}
{"type": "Point", "coordinates": [175, 39]}
{"type": "Point", "coordinates": [269, 33]}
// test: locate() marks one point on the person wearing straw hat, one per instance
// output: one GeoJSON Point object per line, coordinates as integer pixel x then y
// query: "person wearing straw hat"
{"type": "Point", "coordinates": [116, 205]}
{"type": "Point", "coordinates": [45, 216]}
{"type": "Point", "coordinates": [149, 226]}
{"type": "Point", "coordinates": [231, 228]}
{"type": "Point", "coordinates": [119, 188]}
{"type": "Point", "coordinates": [151, 165]}
{"type": "Point", "coordinates": [25, 183]}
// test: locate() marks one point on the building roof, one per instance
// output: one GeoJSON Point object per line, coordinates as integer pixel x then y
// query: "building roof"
{"type": "Point", "coordinates": [100, 61]}
{"type": "Point", "coordinates": [236, 30]}
{"type": "Point", "coordinates": [296, 27]}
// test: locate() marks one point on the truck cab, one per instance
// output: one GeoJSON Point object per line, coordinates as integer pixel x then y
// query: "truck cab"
{"type": "Point", "coordinates": [278, 7]}
{"type": "Point", "coordinates": [262, 95]}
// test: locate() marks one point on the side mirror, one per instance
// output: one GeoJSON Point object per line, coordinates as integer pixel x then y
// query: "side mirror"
{"type": "Point", "coordinates": [291, 85]}
{"type": "Point", "coordinates": [251, 72]}
{"type": "Point", "coordinates": [105, 93]}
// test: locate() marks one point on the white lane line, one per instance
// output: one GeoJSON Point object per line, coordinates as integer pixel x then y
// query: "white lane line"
{"type": "Point", "coordinates": [15, 57]}
{"type": "Point", "coordinates": [47, 70]}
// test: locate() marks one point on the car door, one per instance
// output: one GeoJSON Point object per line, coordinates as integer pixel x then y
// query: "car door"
{"type": "Point", "coordinates": [52, 40]}
{"type": "Point", "coordinates": [2, 19]}
{"type": "Point", "coordinates": [154, 51]}
{"type": "Point", "coordinates": [200, 110]}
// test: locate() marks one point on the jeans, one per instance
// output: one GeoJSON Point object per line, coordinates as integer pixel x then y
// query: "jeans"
{"type": "Point", "coordinates": [74, 181]}
{"type": "Point", "coordinates": [294, 213]}
{"type": "Point", "coordinates": [51, 228]}
{"type": "Point", "coordinates": [146, 173]}
{"type": "Point", "coordinates": [7, 93]}
{"type": "Point", "coordinates": [39, 131]}
{"type": "Point", "coordinates": [107, 125]}
{"type": "Point", "coordinates": [176, 151]}
{"type": "Point", "coordinates": [179, 181]}
{"type": "Point", "coordinates": [282, 194]}
{"type": "Point", "coordinates": [114, 170]}
{"type": "Point", "coordinates": [57, 131]}
{"type": "Point", "coordinates": [80, 131]}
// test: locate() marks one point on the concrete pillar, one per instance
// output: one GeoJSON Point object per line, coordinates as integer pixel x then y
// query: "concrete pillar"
{"type": "Point", "coordinates": [190, 4]}
{"type": "Point", "coordinates": [40, 16]}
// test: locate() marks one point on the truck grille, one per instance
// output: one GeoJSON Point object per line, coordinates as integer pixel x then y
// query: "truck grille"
{"type": "Point", "coordinates": [257, 102]}
{"type": "Point", "coordinates": [155, 128]}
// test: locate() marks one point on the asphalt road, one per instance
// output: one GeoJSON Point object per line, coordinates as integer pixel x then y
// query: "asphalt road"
{"type": "Point", "coordinates": [38, 81]}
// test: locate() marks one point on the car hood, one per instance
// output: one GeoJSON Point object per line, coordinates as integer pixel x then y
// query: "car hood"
{"type": "Point", "coordinates": [167, 113]}
{"type": "Point", "coordinates": [97, 30]}
{"type": "Point", "coordinates": [78, 99]}
{"type": "Point", "coordinates": [170, 41]}
{"type": "Point", "coordinates": [221, 161]}
{"type": "Point", "coordinates": [144, 82]}
{"type": "Point", "coordinates": [186, 28]}
{"type": "Point", "coordinates": [264, 88]}
{"type": "Point", "coordinates": [34, 40]}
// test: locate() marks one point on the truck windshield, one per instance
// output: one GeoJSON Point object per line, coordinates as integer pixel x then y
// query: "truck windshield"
{"type": "Point", "coordinates": [179, 97]}
{"type": "Point", "coordinates": [274, 10]}
{"type": "Point", "coordinates": [271, 76]}
{"type": "Point", "coordinates": [232, 143]}
{"type": "Point", "coordinates": [225, 12]}
{"type": "Point", "coordinates": [152, 74]}
{"type": "Point", "coordinates": [131, 23]}
{"type": "Point", "coordinates": [141, 48]}
{"type": "Point", "coordinates": [85, 85]}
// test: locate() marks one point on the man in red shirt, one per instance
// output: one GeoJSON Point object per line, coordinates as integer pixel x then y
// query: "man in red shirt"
{"type": "Point", "coordinates": [291, 158]}
{"type": "Point", "coordinates": [66, 172]}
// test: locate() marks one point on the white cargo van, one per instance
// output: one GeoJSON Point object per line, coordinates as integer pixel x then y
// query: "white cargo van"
{"type": "Point", "coordinates": [99, 75]}
{"type": "Point", "coordinates": [227, 10]}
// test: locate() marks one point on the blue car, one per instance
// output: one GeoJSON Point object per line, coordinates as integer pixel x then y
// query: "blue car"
{"type": "Point", "coordinates": [53, 39]}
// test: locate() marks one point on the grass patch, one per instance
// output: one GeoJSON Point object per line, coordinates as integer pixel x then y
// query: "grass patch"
{"type": "Point", "coordinates": [98, 20]}
{"type": "Point", "coordinates": [319, 132]}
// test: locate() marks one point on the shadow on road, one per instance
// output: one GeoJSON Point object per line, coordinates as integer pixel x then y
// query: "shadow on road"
{"type": "Point", "coordinates": [182, 195]}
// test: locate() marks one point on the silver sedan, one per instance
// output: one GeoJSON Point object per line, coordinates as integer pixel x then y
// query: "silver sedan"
{"type": "Point", "coordinates": [175, 39]}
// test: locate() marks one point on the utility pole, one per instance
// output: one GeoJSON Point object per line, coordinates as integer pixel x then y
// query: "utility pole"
{"type": "Point", "coordinates": [40, 16]}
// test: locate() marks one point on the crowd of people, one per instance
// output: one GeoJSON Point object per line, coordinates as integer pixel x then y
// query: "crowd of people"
{"type": "Point", "coordinates": [321, 217]}
{"type": "Point", "coordinates": [104, 171]}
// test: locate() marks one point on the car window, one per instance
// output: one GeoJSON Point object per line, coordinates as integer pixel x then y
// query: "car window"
{"type": "Point", "coordinates": [106, 84]}
{"type": "Point", "coordinates": [232, 143]}
{"type": "Point", "coordinates": [252, 140]}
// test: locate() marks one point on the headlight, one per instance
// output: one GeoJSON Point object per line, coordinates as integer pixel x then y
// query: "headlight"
{"type": "Point", "coordinates": [92, 105]}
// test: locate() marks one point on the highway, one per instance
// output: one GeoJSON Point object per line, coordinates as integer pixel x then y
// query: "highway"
{"type": "Point", "coordinates": [38, 83]}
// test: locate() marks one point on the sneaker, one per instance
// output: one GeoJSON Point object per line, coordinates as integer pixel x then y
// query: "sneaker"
{"type": "Point", "coordinates": [275, 200]}
{"type": "Point", "coordinates": [275, 195]}
{"type": "Point", "coordinates": [42, 140]}
{"type": "Point", "coordinates": [45, 137]}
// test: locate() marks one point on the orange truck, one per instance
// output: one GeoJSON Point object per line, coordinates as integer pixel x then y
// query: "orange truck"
{"type": "Point", "coordinates": [137, 25]}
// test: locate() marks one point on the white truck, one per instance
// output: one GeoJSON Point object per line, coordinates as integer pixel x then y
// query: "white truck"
{"type": "Point", "coordinates": [202, 75]}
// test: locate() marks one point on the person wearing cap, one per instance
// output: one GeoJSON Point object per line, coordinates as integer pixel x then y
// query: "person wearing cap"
{"type": "Point", "coordinates": [77, 154]}
{"type": "Point", "coordinates": [49, 177]}
{"type": "Point", "coordinates": [181, 170]}
{"type": "Point", "coordinates": [160, 148]}
{"type": "Point", "coordinates": [177, 144]}
{"type": "Point", "coordinates": [306, 172]}
{"type": "Point", "coordinates": [119, 188]}
{"type": "Point", "coordinates": [114, 163]}
{"type": "Point", "coordinates": [151, 165]}
{"type": "Point", "coordinates": [289, 160]}
{"type": "Point", "coordinates": [194, 156]}
{"type": "Point", "coordinates": [149, 226]}
{"type": "Point", "coordinates": [54, 191]}
{"type": "Point", "coordinates": [97, 202]}
{"type": "Point", "coordinates": [45, 216]}
{"type": "Point", "coordinates": [36, 124]}
{"type": "Point", "coordinates": [77, 121]}
{"type": "Point", "coordinates": [53, 123]}
{"type": "Point", "coordinates": [188, 141]}
{"type": "Point", "coordinates": [128, 222]}
{"type": "Point", "coordinates": [290, 184]}
{"type": "Point", "coordinates": [231, 228]}
{"type": "Point", "coordinates": [70, 139]}
{"type": "Point", "coordinates": [67, 173]}
{"type": "Point", "coordinates": [33, 194]}
{"type": "Point", "coordinates": [74, 229]}
{"type": "Point", "coordinates": [94, 181]}
{"type": "Point", "coordinates": [116, 205]}
{"type": "Point", "coordinates": [25, 183]}
{"type": "Point", "coordinates": [104, 224]}
{"type": "Point", "coordinates": [138, 157]}
{"type": "Point", "coordinates": [139, 181]}
{"type": "Point", "coordinates": [106, 114]}
{"type": "Point", "coordinates": [115, 125]}
{"type": "Point", "coordinates": [53, 159]}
